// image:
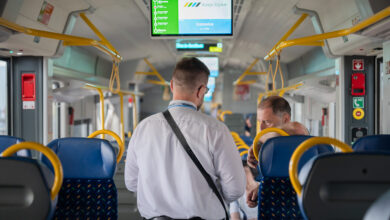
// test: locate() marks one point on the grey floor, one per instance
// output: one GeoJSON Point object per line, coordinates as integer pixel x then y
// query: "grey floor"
{"type": "Point", "coordinates": [127, 202]}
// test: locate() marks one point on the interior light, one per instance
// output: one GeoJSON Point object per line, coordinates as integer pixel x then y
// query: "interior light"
{"type": "Point", "coordinates": [11, 51]}
{"type": "Point", "coordinates": [19, 53]}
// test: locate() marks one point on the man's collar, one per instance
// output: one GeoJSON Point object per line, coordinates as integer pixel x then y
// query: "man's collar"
{"type": "Point", "coordinates": [180, 102]}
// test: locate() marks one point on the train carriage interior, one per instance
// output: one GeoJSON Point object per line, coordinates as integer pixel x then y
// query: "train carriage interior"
{"type": "Point", "coordinates": [78, 76]}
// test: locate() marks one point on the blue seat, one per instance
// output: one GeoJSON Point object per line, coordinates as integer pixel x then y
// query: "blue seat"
{"type": "Point", "coordinates": [277, 198]}
{"type": "Point", "coordinates": [25, 189]}
{"type": "Point", "coordinates": [343, 185]}
{"type": "Point", "coordinates": [8, 141]}
{"type": "Point", "coordinates": [88, 190]}
{"type": "Point", "coordinates": [373, 143]}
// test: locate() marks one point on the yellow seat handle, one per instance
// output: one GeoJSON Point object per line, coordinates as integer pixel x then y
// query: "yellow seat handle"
{"type": "Point", "coordinates": [116, 137]}
{"type": "Point", "coordinates": [260, 134]}
{"type": "Point", "coordinates": [303, 147]}
{"type": "Point", "coordinates": [55, 161]}
{"type": "Point", "coordinates": [222, 116]}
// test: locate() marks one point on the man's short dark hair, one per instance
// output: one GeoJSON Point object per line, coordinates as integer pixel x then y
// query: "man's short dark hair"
{"type": "Point", "coordinates": [277, 103]}
{"type": "Point", "coordinates": [189, 71]}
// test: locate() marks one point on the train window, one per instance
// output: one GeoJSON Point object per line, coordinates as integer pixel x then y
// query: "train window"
{"type": "Point", "coordinates": [3, 98]}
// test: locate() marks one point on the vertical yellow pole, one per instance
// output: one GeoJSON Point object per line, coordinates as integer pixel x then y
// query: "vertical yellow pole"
{"type": "Point", "coordinates": [101, 108]}
{"type": "Point", "coordinates": [122, 120]}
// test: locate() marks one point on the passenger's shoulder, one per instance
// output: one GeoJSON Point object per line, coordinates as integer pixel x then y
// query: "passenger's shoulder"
{"type": "Point", "coordinates": [212, 122]}
{"type": "Point", "coordinates": [150, 120]}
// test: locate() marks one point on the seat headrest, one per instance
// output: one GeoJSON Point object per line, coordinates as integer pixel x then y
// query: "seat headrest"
{"type": "Point", "coordinates": [373, 143]}
{"type": "Point", "coordinates": [275, 154]}
{"type": "Point", "coordinates": [343, 185]}
{"type": "Point", "coordinates": [87, 158]}
{"type": "Point", "coordinates": [8, 141]}
{"type": "Point", "coordinates": [24, 191]}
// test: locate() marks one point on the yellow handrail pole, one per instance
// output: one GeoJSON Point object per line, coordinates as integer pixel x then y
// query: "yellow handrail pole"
{"type": "Point", "coordinates": [55, 161]}
{"type": "Point", "coordinates": [263, 132]}
{"type": "Point", "coordinates": [101, 96]}
{"type": "Point", "coordinates": [47, 34]}
{"type": "Point", "coordinates": [243, 153]}
{"type": "Point", "coordinates": [319, 37]}
{"type": "Point", "coordinates": [165, 83]}
{"type": "Point", "coordinates": [122, 118]}
{"type": "Point", "coordinates": [292, 29]}
{"type": "Point", "coordinates": [97, 32]}
{"type": "Point", "coordinates": [68, 40]}
{"type": "Point", "coordinates": [246, 73]}
{"type": "Point", "coordinates": [153, 73]}
{"type": "Point", "coordinates": [243, 147]}
{"type": "Point", "coordinates": [135, 119]}
{"type": "Point", "coordinates": [224, 113]}
{"type": "Point", "coordinates": [116, 137]}
{"type": "Point", "coordinates": [154, 70]}
{"type": "Point", "coordinates": [303, 147]}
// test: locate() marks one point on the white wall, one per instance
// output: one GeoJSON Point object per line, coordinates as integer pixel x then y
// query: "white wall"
{"type": "Point", "coordinates": [385, 91]}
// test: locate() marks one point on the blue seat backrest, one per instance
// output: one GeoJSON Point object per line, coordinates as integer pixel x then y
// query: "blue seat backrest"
{"type": "Point", "coordinates": [87, 158]}
{"type": "Point", "coordinates": [8, 141]}
{"type": "Point", "coordinates": [277, 198]}
{"type": "Point", "coordinates": [88, 190]}
{"type": "Point", "coordinates": [374, 143]}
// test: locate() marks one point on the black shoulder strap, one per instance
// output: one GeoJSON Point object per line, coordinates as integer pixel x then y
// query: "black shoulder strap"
{"type": "Point", "coordinates": [191, 154]}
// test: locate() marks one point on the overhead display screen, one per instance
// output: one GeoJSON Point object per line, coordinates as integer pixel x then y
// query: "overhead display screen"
{"type": "Point", "coordinates": [212, 64]}
{"type": "Point", "coordinates": [191, 18]}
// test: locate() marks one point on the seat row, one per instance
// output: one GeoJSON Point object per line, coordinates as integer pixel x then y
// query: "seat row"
{"type": "Point", "coordinates": [331, 185]}
{"type": "Point", "coordinates": [83, 175]}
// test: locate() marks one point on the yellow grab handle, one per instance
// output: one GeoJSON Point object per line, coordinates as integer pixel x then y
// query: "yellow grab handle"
{"type": "Point", "coordinates": [222, 116]}
{"type": "Point", "coordinates": [55, 161]}
{"type": "Point", "coordinates": [243, 147]}
{"type": "Point", "coordinates": [293, 167]}
{"type": "Point", "coordinates": [243, 153]}
{"type": "Point", "coordinates": [260, 134]}
{"type": "Point", "coordinates": [116, 137]}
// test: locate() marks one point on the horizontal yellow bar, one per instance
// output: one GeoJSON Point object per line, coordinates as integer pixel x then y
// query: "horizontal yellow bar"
{"type": "Point", "coordinates": [315, 43]}
{"type": "Point", "coordinates": [256, 73]}
{"type": "Point", "coordinates": [91, 86]}
{"type": "Point", "coordinates": [68, 39]}
{"type": "Point", "coordinates": [291, 30]}
{"type": "Point", "coordinates": [154, 70]}
{"type": "Point", "coordinates": [275, 92]}
{"type": "Point", "coordinates": [165, 83]}
{"type": "Point", "coordinates": [145, 73]}
{"type": "Point", "coordinates": [319, 37]}
{"type": "Point", "coordinates": [238, 81]}
{"type": "Point", "coordinates": [246, 82]}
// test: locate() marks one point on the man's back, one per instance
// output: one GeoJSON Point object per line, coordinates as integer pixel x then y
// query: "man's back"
{"type": "Point", "coordinates": [167, 181]}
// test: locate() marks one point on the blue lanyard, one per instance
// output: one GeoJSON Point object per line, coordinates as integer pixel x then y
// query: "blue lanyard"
{"type": "Point", "coordinates": [182, 105]}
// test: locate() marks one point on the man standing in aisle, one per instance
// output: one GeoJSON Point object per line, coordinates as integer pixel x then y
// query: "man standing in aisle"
{"type": "Point", "coordinates": [158, 167]}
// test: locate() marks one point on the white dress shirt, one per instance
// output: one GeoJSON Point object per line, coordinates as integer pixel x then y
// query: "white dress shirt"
{"type": "Point", "coordinates": [166, 180]}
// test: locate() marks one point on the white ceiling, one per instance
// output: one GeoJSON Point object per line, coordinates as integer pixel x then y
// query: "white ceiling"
{"type": "Point", "coordinates": [262, 24]}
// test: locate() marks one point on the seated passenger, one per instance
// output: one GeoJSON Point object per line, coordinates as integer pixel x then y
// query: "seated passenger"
{"type": "Point", "coordinates": [158, 168]}
{"type": "Point", "coordinates": [273, 111]}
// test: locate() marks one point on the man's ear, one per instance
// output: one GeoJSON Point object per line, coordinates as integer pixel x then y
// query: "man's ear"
{"type": "Point", "coordinates": [171, 86]}
{"type": "Point", "coordinates": [286, 118]}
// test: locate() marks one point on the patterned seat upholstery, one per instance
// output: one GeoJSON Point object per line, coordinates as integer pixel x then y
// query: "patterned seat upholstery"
{"type": "Point", "coordinates": [88, 190]}
{"type": "Point", "coordinates": [277, 198]}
